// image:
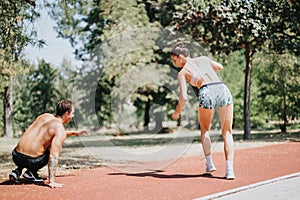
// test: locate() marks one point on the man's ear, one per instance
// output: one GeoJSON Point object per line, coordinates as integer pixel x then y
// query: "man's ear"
{"type": "Point", "coordinates": [64, 115]}
{"type": "Point", "coordinates": [181, 56]}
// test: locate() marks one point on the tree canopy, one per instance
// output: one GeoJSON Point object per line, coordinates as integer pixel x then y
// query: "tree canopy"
{"type": "Point", "coordinates": [127, 78]}
{"type": "Point", "coordinates": [228, 26]}
{"type": "Point", "coordinates": [15, 21]}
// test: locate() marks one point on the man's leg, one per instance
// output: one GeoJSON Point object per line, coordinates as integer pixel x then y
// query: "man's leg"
{"type": "Point", "coordinates": [15, 174]}
{"type": "Point", "coordinates": [34, 165]}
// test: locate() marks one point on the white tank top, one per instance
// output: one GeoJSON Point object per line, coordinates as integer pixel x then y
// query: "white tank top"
{"type": "Point", "coordinates": [200, 68]}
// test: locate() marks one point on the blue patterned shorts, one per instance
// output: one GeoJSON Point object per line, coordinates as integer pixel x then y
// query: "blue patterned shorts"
{"type": "Point", "coordinates": [214, 95]}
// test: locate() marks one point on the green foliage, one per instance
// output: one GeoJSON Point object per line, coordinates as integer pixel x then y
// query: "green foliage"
{"type": "Point", "coordinates": [23, 115]}
{"type": "Point", "coordinates": [162, 11]}
{"type": "Point", "coordinates": [231, 25]}
{"type": "Point", "coordinates": [1, 114]}
{"type": "Point", "coordinates": [113, 34]}
{"type": "Point", "coordinates": [228, 26]}
{"type": "Point", "coordinates": [36, 93]}
{"type": "Point", "coordinates": [233, 76]}
{"type": "Point", "coordinates": [284, 26]}
{"type": "Point", "coordinates": [66, 79]}
{"type": "Point", "coordinates": [43, 91]}
{"type": "Point", "coordinates": [16, 33]}
{"type": "Point", "coordinates": [78, 21]}
{"type": "Point", "coordinates": [14, 37]}
{"type": "Point", "coordinates": [279, 88]}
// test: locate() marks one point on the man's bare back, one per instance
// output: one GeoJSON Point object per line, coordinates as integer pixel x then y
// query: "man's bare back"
{"type": "Point", "coordinates": [38, 137]}
{"type": "Point", "coordinates": [41, 144]}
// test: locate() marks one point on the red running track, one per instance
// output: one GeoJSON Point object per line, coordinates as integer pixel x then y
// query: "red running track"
{"type": "Point", "coordinates": [183, 179]}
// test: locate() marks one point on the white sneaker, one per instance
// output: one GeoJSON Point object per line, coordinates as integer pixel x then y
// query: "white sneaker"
{"type": "Point", "coordinates": [14, 177]}
{"type": "Point", "coordinates": [210, 168]}
{"type": "Point", "coordinates": [32, 176]}
{"type": "Point", "coordinates": [229, 175]}
{"type": "Point", "coordinates": [229, 170]}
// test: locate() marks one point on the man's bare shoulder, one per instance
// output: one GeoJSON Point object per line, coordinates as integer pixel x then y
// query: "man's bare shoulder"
{"type": "Point", "coordinates": [48, 118]}
{"type": "Point", "coordinates": [52, 124]}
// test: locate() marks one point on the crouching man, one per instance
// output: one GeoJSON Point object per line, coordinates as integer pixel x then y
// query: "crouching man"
{"type": "Point", "coordinates": [41, 144]}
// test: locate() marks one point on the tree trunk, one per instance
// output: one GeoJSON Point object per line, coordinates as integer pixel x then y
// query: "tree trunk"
{"type": "Point", "coordinates": [147, 114]}
{"type": "Point", "coordinates": [284, 115]}
{"type": "Point", "coordinates": [158, 121]}
{"type": "Point", "coordinates": [247, 127]}
{"type": "Point", "coordinates": [8, 109]}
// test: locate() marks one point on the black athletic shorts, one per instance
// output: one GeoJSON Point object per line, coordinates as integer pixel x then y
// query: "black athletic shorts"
{"type": "Point", "coordinates": [33, 164]}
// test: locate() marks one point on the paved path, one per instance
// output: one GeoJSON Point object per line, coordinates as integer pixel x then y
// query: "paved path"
{"type": "Point", "coordinates": [284, 187]}
{"type": "Point", "coordinates": [182, 179]}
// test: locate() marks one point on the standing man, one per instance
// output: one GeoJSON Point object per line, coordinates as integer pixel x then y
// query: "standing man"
{"type": "Point", "coordinates": [41, 144]}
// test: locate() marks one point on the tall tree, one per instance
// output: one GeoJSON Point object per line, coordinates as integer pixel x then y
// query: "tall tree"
{"type": "Point", "coordinates": [228, 26]}
{"type": "Point", "coordinates": [15, 20]}
{"type": "Point", "coordinates": [23, 115]}
{"type": "Point", "coordinates": [38, 90]}
{"type": "Point", "coordinates": [116, 35]}
{"type": "Point", "coordinates": [279, 88]}
{"type": "Point", "coordinates": [43, 88]}
{"type": "Point", "coordinates": [66, 79]}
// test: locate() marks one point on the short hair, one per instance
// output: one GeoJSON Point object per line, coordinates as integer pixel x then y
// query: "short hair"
{"type": "Point", "coordinates": [63, 106]}
{"type": "Point", "coordinates": [180, 49]}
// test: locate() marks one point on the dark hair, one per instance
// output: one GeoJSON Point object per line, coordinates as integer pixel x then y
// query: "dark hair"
{"type": "Point", "coordinates": [179, 49]}
{"type": "Point", "coordinates": [63, 106]}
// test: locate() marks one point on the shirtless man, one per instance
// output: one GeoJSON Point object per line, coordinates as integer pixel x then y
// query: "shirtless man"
{"type": "Point", "coordinates": [41, 144]}
{"type": "Point", "coordinates": [213, 94]}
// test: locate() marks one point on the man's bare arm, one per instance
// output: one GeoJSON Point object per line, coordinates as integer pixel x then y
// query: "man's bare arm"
{"type": "Point", "coordinates": [56, 145]}
{"type": "Point", "coordinates": [52, 165]}
{"type": "Point", "coordinates": [76, 133]}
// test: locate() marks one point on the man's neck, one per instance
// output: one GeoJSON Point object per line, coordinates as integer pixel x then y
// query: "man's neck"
{"type": "Point", "coordinates": [60, 118]}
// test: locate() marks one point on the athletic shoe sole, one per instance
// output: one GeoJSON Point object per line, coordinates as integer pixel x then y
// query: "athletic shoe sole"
{"type": "Point", "coordinates": [230, 177]}
{"type": "Point", "coordinates": [13, 179]}
{"type": "Point", "coordinates": [210, 170]}
{"type": "Point", "coordinates": [33, 179]}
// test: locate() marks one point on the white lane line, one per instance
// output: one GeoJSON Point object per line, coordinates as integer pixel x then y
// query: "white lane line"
{"type": "Point", "coordinates": [247, 187]}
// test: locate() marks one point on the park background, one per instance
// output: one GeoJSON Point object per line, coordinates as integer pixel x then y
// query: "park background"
{"type": "Point", "coordinates": [258, 43]}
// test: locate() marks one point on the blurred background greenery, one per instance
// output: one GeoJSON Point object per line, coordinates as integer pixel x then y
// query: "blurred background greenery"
{"type": "Point", "coordinates": [258, 43]}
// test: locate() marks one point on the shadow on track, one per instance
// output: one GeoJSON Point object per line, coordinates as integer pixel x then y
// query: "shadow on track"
{"type": "Point", "coordinates": [23, 182]}
{"type": "Point", "coordinates": [157, 174]}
